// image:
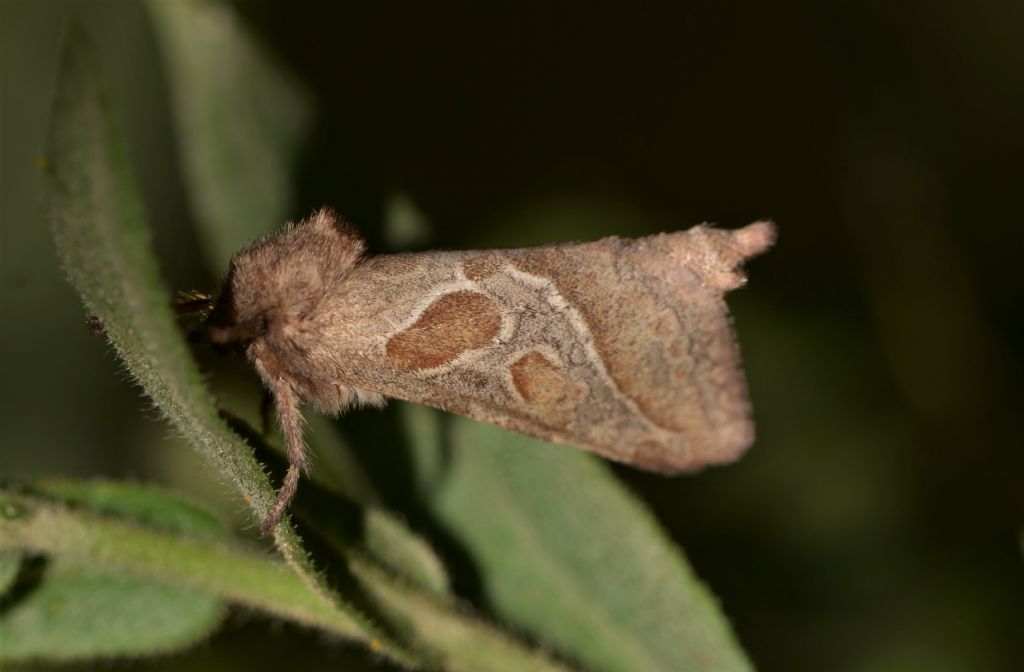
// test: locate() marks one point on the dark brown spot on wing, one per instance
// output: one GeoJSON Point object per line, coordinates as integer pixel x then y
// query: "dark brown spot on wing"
{"type": "Point", "coordinates": [453, 324]}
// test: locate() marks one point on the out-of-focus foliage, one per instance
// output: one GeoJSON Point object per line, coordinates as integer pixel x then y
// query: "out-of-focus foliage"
{"type": "Point", "coordinates": [241, 122]}
{"type": "Point", "coordinates": [77, 614]}
{"type": "Point", "coordinates": [67, 605]}
{"type": "Point", "coordinates": [875, 524]}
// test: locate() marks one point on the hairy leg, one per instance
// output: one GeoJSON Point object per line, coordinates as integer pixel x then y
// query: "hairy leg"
{"type": "Point", "coordinates": [289, 417]}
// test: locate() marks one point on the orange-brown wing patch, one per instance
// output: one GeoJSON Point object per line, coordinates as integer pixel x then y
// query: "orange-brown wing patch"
{"type": "Point", "coordinates": [453, 324]}
{"type": "Point", "coordinates": [548, 391]}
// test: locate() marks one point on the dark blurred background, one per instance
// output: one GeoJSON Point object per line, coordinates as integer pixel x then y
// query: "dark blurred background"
{"type": "Point", "coordinates": [876, 524]}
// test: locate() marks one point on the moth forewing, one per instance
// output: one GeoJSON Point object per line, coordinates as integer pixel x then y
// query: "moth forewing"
{"type": "Point", "coordinates": [620, 347]}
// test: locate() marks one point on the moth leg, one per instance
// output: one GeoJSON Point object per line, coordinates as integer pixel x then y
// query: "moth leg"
{"type": "Point", "coordinates": [289, 417]}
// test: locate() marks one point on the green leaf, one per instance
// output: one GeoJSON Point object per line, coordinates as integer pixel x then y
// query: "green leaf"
{"type": "Point", "coordinates": [390, 542]}
{"type": "Point", "coordinates": [64, 609]}
{"type": "Point", "coordinates": [567, 554]}
{"type": "Point", "coordinates": [142, 504]}
{"type": "Point", "coordinates": [241, 121]}
{"type": "Point", "coordinates": [82, 613]}
{"type": "Point", "coordinates": [103, 241]}
{"type": "Point", "coordinates": [117, 545]}
{"type": "Point", "coordinates": [10, 565]}
{"type": "Point", "coordinates": [449, 632]}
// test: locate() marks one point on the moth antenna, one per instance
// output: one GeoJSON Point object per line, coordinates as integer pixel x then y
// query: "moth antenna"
{"type": "Point", "coordinates": [286, 402]}
{"type": "Point", "coordinates": [192, 303]}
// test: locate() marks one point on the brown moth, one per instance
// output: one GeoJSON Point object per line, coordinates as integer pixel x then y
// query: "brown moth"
{"type": "Point", "coordinates": [620, 347]}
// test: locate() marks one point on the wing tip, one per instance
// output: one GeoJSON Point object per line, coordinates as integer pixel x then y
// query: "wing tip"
{"type": "Point", "coordinates": [757, 238]}
{"type": "Point", "coordinates": [728, 444]}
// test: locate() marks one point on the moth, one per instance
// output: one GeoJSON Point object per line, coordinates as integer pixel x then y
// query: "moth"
{"type": "Point", "coordinates": [620, 347]}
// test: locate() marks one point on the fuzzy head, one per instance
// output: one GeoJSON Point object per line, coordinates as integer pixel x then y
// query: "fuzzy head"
{"type": "Point", "coordinates": [282, 278]}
